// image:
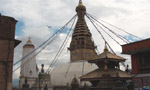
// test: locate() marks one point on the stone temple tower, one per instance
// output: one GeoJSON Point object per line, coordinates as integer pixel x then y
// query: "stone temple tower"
{"type": "Point", "coordinates": [29, 68]}
{"type": "Point", "coordinates": [82, 46]}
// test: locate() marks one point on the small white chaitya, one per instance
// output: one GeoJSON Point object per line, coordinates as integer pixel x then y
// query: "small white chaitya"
{"type": "Point", "coordinates": [29, 67]}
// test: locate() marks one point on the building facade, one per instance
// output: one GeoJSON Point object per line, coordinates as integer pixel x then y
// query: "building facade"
{"type": "Point", "coordinates": [140, 59]}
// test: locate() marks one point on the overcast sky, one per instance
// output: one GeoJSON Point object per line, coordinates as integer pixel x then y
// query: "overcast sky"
{"type": "Point", "coordinates": [34, 15]}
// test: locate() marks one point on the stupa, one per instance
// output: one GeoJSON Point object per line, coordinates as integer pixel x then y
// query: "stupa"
{"type": "Point", "coordinates": [81, 48]}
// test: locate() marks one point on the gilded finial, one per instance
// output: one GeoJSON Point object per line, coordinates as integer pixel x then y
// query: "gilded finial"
{"type": "Point", "coordinates": [29, 40]}
{"type": "Point", "coordinates": [105, 49]}
{"type": "Point", "coordinates": [80, 2]}
{"type": "Point", "coordinates": [42, 69]}
{"type": "Point", "coordinates": [127, 68]}
{"type": "Point", "coordinates": [81, 9]}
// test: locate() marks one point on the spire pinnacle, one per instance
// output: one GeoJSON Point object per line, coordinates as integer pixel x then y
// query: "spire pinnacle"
{"type": "Point", "coordinates": [81, 10]}
{"type": "Point", "coordinates": [105, 49]}
{"type": "Point", "coordinates": [80, 2]}
{"type": "Point", "coordinates": [29, 43]}
{"type": "Point", "coordinates": [42, 69]}
{"type": "Point", "coordinates": [29, 40]}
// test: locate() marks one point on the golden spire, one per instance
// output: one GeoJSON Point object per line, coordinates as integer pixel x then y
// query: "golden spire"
{"type": "Point", "coordinates": [81, 38]}
{"type": "Point", "coordinates": [105, 49]}
{"type": "Point", "coordinates": [42, 69]}
{"type": "Point", "coordinates": [81, 9]}
{"type": "Point", "coordinates": [80, 2]}
{"type": "Point", "coordinates": [29, 40]}
{"type": "Point", "coordinates": [29, 43]}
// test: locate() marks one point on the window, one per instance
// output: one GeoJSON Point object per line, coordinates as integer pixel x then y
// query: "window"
{"type": "Point", "coordinates": [145, 62]}
{"type": "Point", "coordinates": [145, 59]}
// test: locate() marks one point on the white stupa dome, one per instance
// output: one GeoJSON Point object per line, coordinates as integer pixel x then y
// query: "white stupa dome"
{"type": "Point", "coordinates": [60, 76]}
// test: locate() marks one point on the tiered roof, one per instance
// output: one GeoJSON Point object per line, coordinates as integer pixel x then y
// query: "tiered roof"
{"type": "Point", "coordinates": [106, 54]}
{"type": "Point", "coordinates": [107, 63]}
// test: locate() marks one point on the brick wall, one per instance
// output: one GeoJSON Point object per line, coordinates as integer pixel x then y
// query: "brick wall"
{"type": "Point", "coordinates": [135, 64]}
{"type": "Point", "coordinates": [135, 49]}
{"type": "Point", "coordinates": [7, 34]}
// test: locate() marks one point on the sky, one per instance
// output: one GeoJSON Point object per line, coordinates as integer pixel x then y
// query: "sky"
{"type": "Point", "coordinates": [34, 16]}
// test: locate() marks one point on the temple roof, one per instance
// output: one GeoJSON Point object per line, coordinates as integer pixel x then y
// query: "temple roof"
{"type": "Point", "coordinates": [98, 74]}
{"type": "Point", "coordinates": [108, 55]}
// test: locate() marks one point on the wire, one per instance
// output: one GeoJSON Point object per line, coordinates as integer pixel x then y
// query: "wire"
{"type": "Point", "coordinates": [61, 48]}
{"type": "Point", "coordinates": [61, 29]}
{"type": "Point", "coordinates": [104, 38]}
{"type": "Point", "coordinates": [119, 36]}
{"type": "Point", "coordinates": [100, 33]}
{"type": "Point", "coordinates": [108, 34]}
{"type": "Point", "coordinates": [67, 70]}
{"type": "Point", "coordinates": [117, 27]}
{"type": "Point", "coordinates": [83, 68]}
{"type": "Point", "coordinates": [50, 40]}
{"type": "Point", "coordinates": [33, 56]}
{"type": "Point", "coordinates": [64, 44]}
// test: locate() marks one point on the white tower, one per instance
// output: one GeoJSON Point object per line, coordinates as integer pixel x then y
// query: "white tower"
{"type": "Point", "coordinates": [29, 67]}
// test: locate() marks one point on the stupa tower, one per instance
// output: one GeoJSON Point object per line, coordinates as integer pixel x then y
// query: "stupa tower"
{"type": "Point", "coordinates": [81, 47]}
{"type": "Point", "coordinates": [29, 68]}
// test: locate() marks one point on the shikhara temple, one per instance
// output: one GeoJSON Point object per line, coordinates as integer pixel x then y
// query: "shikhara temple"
{"type": "Point", "coordinates": [87, 69]}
